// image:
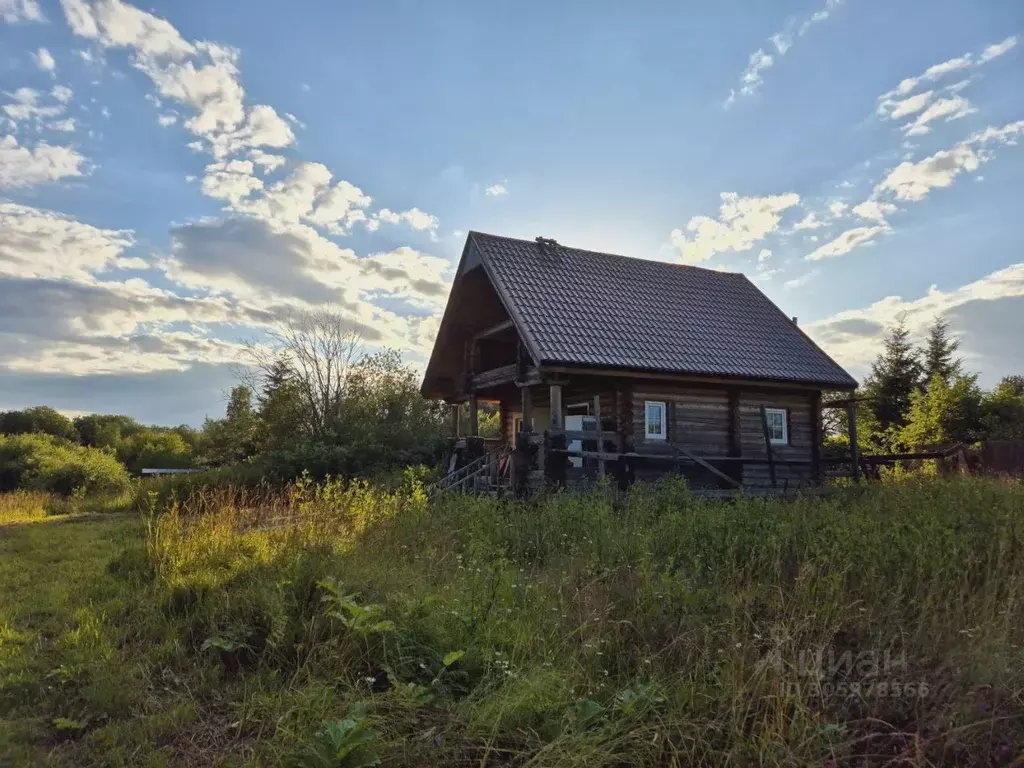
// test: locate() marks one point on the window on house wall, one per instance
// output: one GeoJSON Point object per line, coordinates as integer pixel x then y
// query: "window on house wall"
{"type": "Point", "coordinates": [655, 427]}
{"type": "Point", "coordinates": [778, 426]}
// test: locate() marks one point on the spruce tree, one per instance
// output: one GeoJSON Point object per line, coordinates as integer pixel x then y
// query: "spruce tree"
{"type": "Point", "coordinates": [895, 375]}
{"type": "Point", "coordinates": [939, 352]}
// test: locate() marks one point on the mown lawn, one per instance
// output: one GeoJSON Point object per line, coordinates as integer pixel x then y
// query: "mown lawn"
{"type": "Point", "coordinates": [334, 626]}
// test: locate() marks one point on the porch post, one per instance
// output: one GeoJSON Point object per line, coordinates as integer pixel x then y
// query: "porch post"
{"type": "Point", "coordinates": [851, 415]}
{"type": "Point", "coordinates": [557, 422]}
{"type": "Point", "coordinates": [453, 418]}
{"type": "Point", "coordinates": [474, 418]}
{"type": "Point", "coordinates": [527, 409]}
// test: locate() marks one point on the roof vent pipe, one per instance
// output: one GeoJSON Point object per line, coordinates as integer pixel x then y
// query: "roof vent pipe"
{"type": "Point", "coordinates": [794, 319]}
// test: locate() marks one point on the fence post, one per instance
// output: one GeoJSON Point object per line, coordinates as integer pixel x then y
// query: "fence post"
{"type": "Point", "coordinates": [851, 415]}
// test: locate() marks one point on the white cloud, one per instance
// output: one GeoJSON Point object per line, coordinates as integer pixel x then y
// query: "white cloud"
{"type": "Point", "coordinates": [62, 93]}
{"type": "Point", "coordinates": [838, 208]}
{"type": "Point", "coordinates": [44, 60]}
{"type": "Point", "coordinates": [940, 70]}
{"type": "Point", "coordinates": [764, 255]}
{"type": "Point", "coordinates": [340, 207]}
{"type": "Point", "coordinates": [847, 241]}
{"type": "Point", "coordinates": [810, 221]}
{"type": "Point", "coordinates": [24, 167]}
{"type": "Point", "coordinates": [952, 109]}
{"type": "Point", "coordinates": [895, 109]}
{"type": "Point", "coordinates": [742, 222]}
{"type": "Point", "coordinates": [268, 162]}
{"type": "Point", "coordinates": [167, 120]}
{"type": "Point", "coordinates": [40, 243]}
{"type": "Point", "coordinates": [913, 181]}
{"type": "Point", "coordinates": [232, 180]}
{"type": "Point", "coordinates": [496, 190]}
{"type": "Point", "coordinates": [66, 125]}
{"type": "Point", "coordinates": [202, 75]}
{"type": "Point", "coordinates": [873, 210]}
{"type": "Point", "coordinates": [852, 336]}
{"type": "Point", "coordinates": [292, 199]}
{"type": "Point", "coordinates": [26, 105]}
{"type": "Point", "coordinates": [15, 11]}
{"type": "Point", "coordinates": [414, 217]}
{"type": "Point", "coordinates": [998, 49]}
{"type": "Point", "coordinates": [936, 71]}
{"type": "Point", "coordinates": [751, 80]}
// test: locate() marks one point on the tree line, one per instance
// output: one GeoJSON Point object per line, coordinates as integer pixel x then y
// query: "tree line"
{"type": "Point", "coordinates": [920, 395]}
{"type": "Point", "coordinates": [310, 398]}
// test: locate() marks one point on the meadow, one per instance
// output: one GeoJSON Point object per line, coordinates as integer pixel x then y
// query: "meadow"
{"type": "Point", "coordinates": [347, 625]}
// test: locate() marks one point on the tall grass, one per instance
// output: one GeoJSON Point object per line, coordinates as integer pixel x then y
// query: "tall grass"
{"type": "Point", "coordinates": [879, 626]}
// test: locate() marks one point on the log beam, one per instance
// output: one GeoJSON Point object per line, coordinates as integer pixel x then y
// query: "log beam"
{"type": "Point", "coordinates": [851, 415]}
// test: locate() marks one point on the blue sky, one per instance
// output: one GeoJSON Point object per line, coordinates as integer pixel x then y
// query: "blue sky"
{"type": "Point", "coordinates": [172, 177]}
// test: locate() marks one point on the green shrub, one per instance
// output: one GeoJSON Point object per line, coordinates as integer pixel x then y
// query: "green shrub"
{"type": "Point", "coordinates": [41, 462]}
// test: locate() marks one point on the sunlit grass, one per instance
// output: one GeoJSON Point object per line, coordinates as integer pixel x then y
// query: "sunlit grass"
{"type": "Point", "coordinates": [655, 629]}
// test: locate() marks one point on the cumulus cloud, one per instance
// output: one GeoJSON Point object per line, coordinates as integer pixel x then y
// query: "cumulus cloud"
{"type": "Point", "coordinates": [742, 222]}
{"type": "Point", "coordinates": [275, 264]}
{"type": "Point", "coordinates": [852, 336]}
{"type": "Point", "coordinates": [24, 167]}
{"type": "Point", "coordinates": [232, 180]}
{"type": "Point", "coordinates": [952, 109]}
{"type": "Point", "coordinates": [896, 109]}
{"type": "Point", "coordinates": [998, 49]}
{"type": "Point", "coordinates": [810, 221]}
{"type": "Point", "coordinates": [44, 60]}
{"type": "Point", "coordinates": [913, 181]}
{"type": "Point", "coordinates": [66, 125]}
{"type": "Point", "coordinates": [847, 241]}
{"type": "Point", "coordinates": [873, 210]}
{"type": "Point", "coordinates": [765, 254]}
{"type": "Point", "coordinates": [414, 217]}
{"type": "Point", "coordinates": [26, 104]}
{"type": "Point", "coordinates": [496, 190]}
{"type": "Point", "coordinates": [204, 77]}
{"type": "Point", "coordinates": [752, 78]}
{"type": "Point", "coordinates": [16, 11]}
{"type": "Point", "coordinates": [41, 243]}
{"type": "Point", "coordinates": [276, 267]}
{"type": "Point", "coordinates": [895, 101]}
{"type": "Point", "coordinates": [267, 161]}
{"type": "Point", "coordinates": [59, 317]}
{"type": "Point", "coordinates": [201, 75]}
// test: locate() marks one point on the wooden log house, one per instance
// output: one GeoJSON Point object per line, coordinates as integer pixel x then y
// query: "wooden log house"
{"type": "Point", "coordinates": [605, 363]}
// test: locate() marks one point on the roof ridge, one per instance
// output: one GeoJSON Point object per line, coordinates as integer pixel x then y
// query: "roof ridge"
{"type": "Point", "coordinates": [604, 254]}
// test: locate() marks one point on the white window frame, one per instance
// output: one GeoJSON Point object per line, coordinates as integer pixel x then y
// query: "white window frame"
{"type": "Point", "coordinates": [663, 434]}
{"type": "Point", "coordinates": [784, 412]}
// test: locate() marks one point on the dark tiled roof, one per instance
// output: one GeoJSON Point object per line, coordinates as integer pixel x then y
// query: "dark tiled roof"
{"type": "Point", "coordinates": [578, 307]}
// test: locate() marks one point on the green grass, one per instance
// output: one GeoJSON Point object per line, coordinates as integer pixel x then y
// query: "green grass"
{"type": "Point", "coordinates": [344, 626]}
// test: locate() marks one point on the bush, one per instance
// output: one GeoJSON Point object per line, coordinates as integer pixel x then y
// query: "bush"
{"type": "Point", "coordinates": [45, 463]}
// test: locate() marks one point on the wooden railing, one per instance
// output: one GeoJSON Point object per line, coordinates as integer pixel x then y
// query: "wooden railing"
{"type": "Point", "coordinates": [464, 478]}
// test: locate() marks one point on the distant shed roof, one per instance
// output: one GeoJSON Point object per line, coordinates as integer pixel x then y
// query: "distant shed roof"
{"type": "Point", "coordinates": [575, 307]}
